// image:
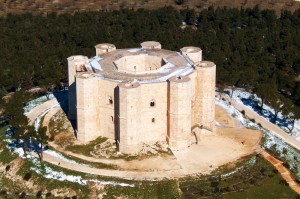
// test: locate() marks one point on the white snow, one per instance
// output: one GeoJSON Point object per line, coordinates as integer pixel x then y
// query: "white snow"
{"type": "Point", "coordinates": [49, 173]}
{"type": "Point", "coordinates": [94, 63]}
{"type": "Point", "coordinates": [38, 119]}
{"type": "Point", "coordinates": [178, 72]}
{"type": "Point", "coordinates": [292, 156]}
{"type": "Point", "coordinates": [38, 101]}
{"type": "Point", "coordinates": [165, 68]}
{"type": "Point", "coordinates": [250, 162]}
{"type": "Point", "coordinates": [133, 50]}
{"type": "Point", "coordinates": [61, 157]}
{"type": "Point", "coordinates": [268, 112]}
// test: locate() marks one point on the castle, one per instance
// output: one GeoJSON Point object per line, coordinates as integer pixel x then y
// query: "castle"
{"type": "Point", "coordinates": [142, 95]}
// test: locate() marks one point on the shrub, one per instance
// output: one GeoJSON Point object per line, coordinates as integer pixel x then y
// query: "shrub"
{"type": "Point", "coordinates": [252, 181]}
{"type": "Point", "coordinates": [3, 192]}
{"type": "Point", "coordinates": [51, 138]}
{"type": "Point", "coordinates": [27, 176]}
{"type": "Point", "coordinates": [286, 165]}
{"type": "Point", "coordinates": [283, 182]}
{"type": "Point", "coordinates": [39, 194]}
{"type": "Point", "coordinates": [252, 120]}
{"type": "Point", "coordinates": [22, 195]}
{"type": "Point", "coordinates": [7, 168]}
{"type": "Point", "coordinates": [284, 150]}
{"type": "Point", "coordinates": [214, 184]}
{"type": "Point", "coordinates": [48, 195]}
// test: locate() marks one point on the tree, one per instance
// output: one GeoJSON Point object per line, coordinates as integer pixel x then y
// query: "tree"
{"type": "Point", "coordinates": [42, 137]}
{"type": "Point", "coordinates": [264, 91]}
{"type": "Point", "coordinates": [291, 112]}
{"type": "Point", "coordinates": [276, 101]}
{"type": "Point", "coordinates": [14, 109]}
{"type": "Point", "coordinates": [179, 2]}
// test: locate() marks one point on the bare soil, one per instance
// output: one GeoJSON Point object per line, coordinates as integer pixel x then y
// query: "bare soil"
{"type": "Point", "coordinates": [227, 144]}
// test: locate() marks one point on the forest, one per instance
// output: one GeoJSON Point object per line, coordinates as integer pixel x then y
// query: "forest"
{"type": "Point", "coordinates": [253, 49]}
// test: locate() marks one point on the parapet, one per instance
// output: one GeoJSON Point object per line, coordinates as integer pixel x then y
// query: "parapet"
{"type": "Point", "coordinates": [128, 85]}
{"type": "Point", "coordinates": [139, 64]}
{"type": "Point", "coordinates": [179, 79]}
{"type": "Point", "coordinates": [205, 64]}
{"type": "Point", "coordinates": [151, 45]}
{"type": "Point", "coordinates": [78, 58]}
{"type": "Point", "coordinates": [193, 53]}
{"type": "Point", "coordinates": [104, 48]}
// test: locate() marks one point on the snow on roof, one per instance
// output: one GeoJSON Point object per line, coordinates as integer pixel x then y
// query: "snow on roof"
{"type": "Point", "coordinates": [94, 63]}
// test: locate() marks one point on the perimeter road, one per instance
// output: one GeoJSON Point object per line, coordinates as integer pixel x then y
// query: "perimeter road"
{"type": "Point", "coordinates": [265, 123]}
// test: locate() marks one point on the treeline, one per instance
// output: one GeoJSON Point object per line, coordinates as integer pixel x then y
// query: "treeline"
{"type": "Point", "coordinates": [252, 48]}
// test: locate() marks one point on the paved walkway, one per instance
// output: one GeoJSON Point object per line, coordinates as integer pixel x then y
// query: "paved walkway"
{"type": "Point", "coordinates": [284, 172]}
{"type": "Point", "coordinates": [265, 123]}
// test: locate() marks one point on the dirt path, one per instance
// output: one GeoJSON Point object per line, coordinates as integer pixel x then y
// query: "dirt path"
{"type": "Point", "coordinates": [265, 123]}
{"type": "Point", "coordinates": [284, 172]}
{"type": "Point", "coordinates": [36, 111]}
{"type": "Point", "coordinates": [200, 158]}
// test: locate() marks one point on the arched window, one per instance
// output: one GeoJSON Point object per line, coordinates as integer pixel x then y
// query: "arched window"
{"type": "Point", "coordinates": [153, 120]}
{"type": "Point", "coordinates": [110, 100]}
{"type": "Point", "coordinates": [152, 103]}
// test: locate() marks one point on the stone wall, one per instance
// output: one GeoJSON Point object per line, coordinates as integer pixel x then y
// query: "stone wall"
{"type": "Point", "coordinates": [180, 112]}
{"type": "Point", "coordinates": [135, 113]}
{"type": "Point", "coordinates": [75, 63]}
{"type": "Point", "coordinates": [205, 94]}
{"type": "Point", "coordinates": [153, 101]}
{"type": "Point", "coordinates": [87, 112]}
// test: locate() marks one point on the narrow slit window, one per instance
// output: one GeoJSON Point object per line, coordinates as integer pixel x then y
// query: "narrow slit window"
{"type": "Point", "coordinates": [110, 100]}
{"type": "Point", "coordinates": [153, 120]}
{"type": "Point", "coordinates": [152, 103]}
{"type": "Point", "coordinates": [112, 118]}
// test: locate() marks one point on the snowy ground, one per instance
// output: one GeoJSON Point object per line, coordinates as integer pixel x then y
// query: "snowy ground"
{"type": "Point", "coordinates": [286, 152]}
{"type": "Point", "coordinates": [38, 101]}
{"type": "Point", "coordinates": [268, 112]}
{"type": "Point", "coordinates": [50, 173]}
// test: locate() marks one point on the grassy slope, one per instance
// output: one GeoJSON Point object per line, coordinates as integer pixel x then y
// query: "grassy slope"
{"type": "Point", "coordinates": [270, 189]}
{"type": "Point", "coordinates": [265, 187]}
{"type": "Point", "coordinates": [258, 181]}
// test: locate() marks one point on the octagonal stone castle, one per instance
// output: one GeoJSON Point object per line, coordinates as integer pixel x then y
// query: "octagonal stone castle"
{"type": "Point", "coordinates": [142, 96]}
